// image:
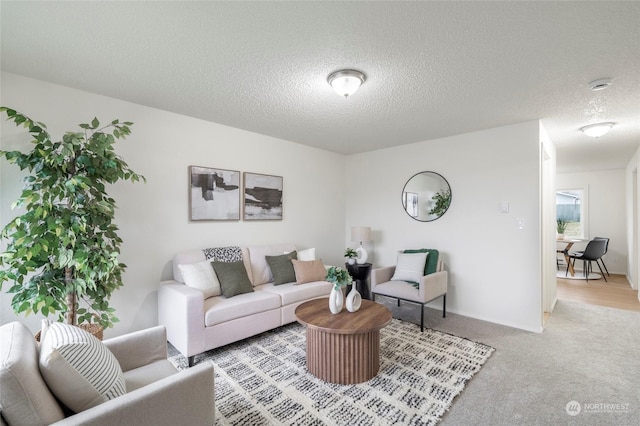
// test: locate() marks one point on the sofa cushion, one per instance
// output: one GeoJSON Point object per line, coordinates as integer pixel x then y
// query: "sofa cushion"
{"type": "Point", "coordinates": [233, 278]}
{"type": "Point", "coordinates": [147, 374]}
{"type": "Point", "coordinates": [78, 368]}
{"type": "Point", "coordinates": [201, 276]}
{"type": "Point", "coordinates": [410, 267]}
{"type": "Point", "coordinates": [24, 396]}
{"type": "Point", "coordinates": [290, 293]}
{"type": "Point", "coordinates": [282, 268]}
{"type": "Point", "coordinates": [309, 271]}
{"type": "Point", "coordinates": [260, 271]}
{"type": "Point", "coordinates": [219, 309]}
{"type": "Point", "coordinates": [307, 254]}
{"type": "Point", "coordinates": [431, 265]}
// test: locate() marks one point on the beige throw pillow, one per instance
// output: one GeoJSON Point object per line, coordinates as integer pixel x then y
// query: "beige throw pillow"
{"type": "Point", "coordinates": [309, 271]}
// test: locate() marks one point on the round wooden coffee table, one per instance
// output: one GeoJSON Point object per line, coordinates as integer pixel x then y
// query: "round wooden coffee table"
{"type": "Point", "coordinates": [343, 348]}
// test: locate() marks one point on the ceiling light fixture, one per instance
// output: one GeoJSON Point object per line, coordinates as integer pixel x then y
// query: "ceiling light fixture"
{"type": "Point", "coordinates": [346, 82]}
{"type": "Point", "coordinates": [600, 84]}
{"type": "Point", "coordinates": [597, 129]}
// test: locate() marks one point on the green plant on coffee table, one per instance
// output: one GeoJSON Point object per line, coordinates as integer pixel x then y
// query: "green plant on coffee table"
{"type": "Point", "coordinates": [350, 253]}
{"type": "Point", "coordinates": [64, 249]}
{"type": "Point", "coordinates": [338, 276]}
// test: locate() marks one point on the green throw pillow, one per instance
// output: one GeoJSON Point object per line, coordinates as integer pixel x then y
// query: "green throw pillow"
{"type": "Point", "coordinates": [432, 259]}
{"type": "Point", "coordinates": [282, 268]}
{"type": "Point", "coordinates": [233, 278]}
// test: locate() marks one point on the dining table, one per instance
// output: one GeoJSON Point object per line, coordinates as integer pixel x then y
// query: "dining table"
{"type": "Point", "coordinates": [569, 242]}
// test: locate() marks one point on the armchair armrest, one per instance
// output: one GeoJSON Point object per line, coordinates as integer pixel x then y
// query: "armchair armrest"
{"type": "Point", "coordinates": [433, 285]}
{"type": "Point", "coordinates": [139, 348]}
{"type": "Point", "coordinates": [181, 311]}
{"type": "Point", "coordinates": [183, 398]}
{"type": "Point", "coordinates": [381, 275]}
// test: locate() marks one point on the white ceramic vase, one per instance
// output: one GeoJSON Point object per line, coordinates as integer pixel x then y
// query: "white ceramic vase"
{"type": "Point", "coordinates": [336, 301]}
{"type": "Point", "coordinates": [354, 300]}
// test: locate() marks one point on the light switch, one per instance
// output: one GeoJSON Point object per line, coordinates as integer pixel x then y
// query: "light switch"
{"type": "Point", "coordinates": [504, 207]}
{"type": "Point", "coordinates": [520, 223]}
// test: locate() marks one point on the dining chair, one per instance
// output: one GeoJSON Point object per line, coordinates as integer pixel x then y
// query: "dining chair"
{"type": "Point", "coordinates": [593, 252]}
{"type": "Point", "coordinates": [606, 248]}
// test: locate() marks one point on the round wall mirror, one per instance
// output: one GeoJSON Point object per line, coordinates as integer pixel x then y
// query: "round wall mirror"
{"type": "Point", "coordinates": [426, 196]}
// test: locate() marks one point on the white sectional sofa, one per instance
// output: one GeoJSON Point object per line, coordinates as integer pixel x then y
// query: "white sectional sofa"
{"type": "Point", "coordinates": [196, 323]}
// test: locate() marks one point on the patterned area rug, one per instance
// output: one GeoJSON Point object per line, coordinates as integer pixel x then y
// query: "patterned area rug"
{"type": "Point", "coordinates": [264, 380]}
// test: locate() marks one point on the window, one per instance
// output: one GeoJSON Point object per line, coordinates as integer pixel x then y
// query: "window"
{"type": "Point", "coordinates": [571, 209]}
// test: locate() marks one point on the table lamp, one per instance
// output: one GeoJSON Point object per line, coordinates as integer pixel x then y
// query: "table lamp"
{"type": "Point", "coordinates": [361, 233]}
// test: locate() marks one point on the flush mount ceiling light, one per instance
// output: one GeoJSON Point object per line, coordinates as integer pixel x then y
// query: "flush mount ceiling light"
{"type": "Point", "coordinates": [346, 82]}
{"type": "Point", "coordinates": [600, 84]}
{"type": "Point", "coordinates": [598, 129]}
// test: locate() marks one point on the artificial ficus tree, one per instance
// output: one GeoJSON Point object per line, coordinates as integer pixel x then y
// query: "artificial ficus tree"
{"type": "Point", "coordinates": [62, 252]}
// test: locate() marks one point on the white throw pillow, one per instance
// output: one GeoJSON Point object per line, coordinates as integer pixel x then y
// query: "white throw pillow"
{"type": "Point", "coordinates": [201, 276]}
{"type": "Point", "coordinates": [307, 255]}
{"type": "Point", "coordinates": [78, 368]}
{"type": "Point", "coordinates": [410, 267]}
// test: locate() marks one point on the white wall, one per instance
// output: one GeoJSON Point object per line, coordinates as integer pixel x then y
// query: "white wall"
{"type": "Point", "coordinates": [153, 217]}
{"type": "Point", "coordinates": [494, 267]}
{"type": "Point", "coordinates": [607, 211]}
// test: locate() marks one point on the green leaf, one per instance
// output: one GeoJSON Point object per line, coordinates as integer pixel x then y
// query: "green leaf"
{"type": "Point", "coordinates": [95, 123]}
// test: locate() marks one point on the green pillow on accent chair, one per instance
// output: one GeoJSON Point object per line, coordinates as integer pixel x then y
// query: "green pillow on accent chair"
{"type": "Point", "coordinates": [432, 259]}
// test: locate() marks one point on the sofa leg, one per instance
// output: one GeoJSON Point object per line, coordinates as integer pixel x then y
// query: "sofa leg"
{"type": "Point", "coordinates": [444, 306]}
{"type": "Point", "coordinates": [190, 360]}
{"type": "Point", "coordinates": [398, 302]}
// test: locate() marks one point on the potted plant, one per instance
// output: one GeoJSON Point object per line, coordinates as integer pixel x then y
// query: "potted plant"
{"type": "Point", "coordinates": [351, 255]}
{"type": "Point", "coordinates": [62, 252]}
{"type": "Point", "coordinates": [339, 277]}
{"type": "Point", "coordinates": [561, 226]}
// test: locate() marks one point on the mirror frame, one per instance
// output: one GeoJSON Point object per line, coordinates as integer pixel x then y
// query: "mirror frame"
{"type": "Point", "coordinates": [417, 214]}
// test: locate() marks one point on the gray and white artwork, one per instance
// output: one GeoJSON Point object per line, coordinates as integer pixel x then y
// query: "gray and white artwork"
{"type": "Point", "coordinates": [214, 194]}
{"type": "Point", "coordinates": [262, 197]}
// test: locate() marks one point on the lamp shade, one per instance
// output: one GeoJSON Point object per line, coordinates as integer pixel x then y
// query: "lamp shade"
{"type": "Point", "coordinates": [360, 233]}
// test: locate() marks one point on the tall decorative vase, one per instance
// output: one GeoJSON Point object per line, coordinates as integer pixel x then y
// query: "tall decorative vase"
{"type": "Point", "coordinates": [354, 300]}
{"type": "Point", "coordinates": [336, 301]}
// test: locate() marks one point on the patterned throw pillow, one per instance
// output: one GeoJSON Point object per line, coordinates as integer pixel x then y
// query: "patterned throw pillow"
{"type": "Point", "coordinates": [78, 368]}
{"type": "Point", "coordinates": [223, 254]}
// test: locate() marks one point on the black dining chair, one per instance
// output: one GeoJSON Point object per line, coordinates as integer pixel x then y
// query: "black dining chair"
{"type": "Point", "coordinates": [593, 252]}
{"type": "Point", "coordinates": [606, 248]}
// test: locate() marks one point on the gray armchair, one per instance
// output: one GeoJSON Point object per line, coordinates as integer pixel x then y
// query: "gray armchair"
{"type": "Point", "coordinates": [430, 287]}
{"type": "Point", "coordinates": [157, 393]}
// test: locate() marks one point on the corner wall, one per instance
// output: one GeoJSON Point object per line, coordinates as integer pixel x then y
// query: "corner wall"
{"type": "Point", "coordinates": [494, 267]}
{"type": "Point", "coordinates": [153, 217]}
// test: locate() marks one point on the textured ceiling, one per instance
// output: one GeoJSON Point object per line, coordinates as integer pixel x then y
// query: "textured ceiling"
{"type": "Point", "coordinates": [434, 69]}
